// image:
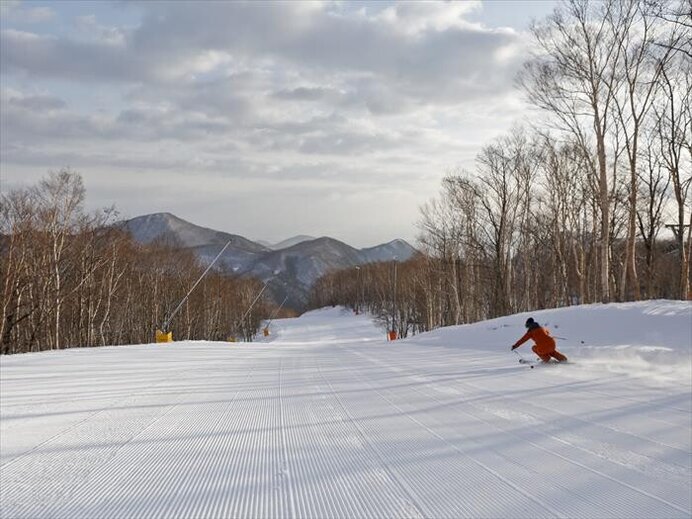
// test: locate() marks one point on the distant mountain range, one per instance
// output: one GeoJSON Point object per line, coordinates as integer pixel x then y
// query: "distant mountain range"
{"type": "Point", "coordinates": [290, 267]}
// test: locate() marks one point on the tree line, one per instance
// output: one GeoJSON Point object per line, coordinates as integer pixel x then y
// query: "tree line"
{"type": "Point", "coordinates": [591, 202]}
{"type": "Point", "coordinates": [72, 278]}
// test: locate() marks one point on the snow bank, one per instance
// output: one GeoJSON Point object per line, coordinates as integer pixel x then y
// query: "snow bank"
{"type": "Point", "coordinates": [329, 325]}
{"type": "Point", "coordinates": [651, 339]}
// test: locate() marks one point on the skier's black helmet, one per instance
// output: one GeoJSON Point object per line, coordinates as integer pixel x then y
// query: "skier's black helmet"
{"type": "Point", "coordinates": [529, 322]}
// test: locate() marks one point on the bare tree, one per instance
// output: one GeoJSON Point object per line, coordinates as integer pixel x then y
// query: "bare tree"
{"type": "Point", "coordinates": [17, 221]}
{"type": "Point", "coordinates": [504, 189]}
{"type": "Point", "coordinates": [69, 278]}
{"type": "Point", "coordinates": [642, 61]}
{"type": "Point", "coordinates": [60, 198]}
{"type": "Point", "coordinates": [565, 181]}
{"type": "Point", "coordinates": [575, 79]}
{"type": "Point", "coordinates": [678, 14]}
{"type": "Point", "coordinates": [673, 128]}
{"type": "Point", "coordinates": [655, 183]}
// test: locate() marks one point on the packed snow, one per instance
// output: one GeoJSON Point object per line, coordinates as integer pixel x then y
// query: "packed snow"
{"type": "Point", "coordinates": [325, 418]}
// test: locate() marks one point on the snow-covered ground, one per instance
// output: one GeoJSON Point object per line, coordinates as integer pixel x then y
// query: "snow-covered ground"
{"type": "Point", "coordinates": [327, 419]}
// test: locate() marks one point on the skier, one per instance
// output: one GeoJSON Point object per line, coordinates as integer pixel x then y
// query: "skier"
{"type": "Point", "coordinates": [545, 344]}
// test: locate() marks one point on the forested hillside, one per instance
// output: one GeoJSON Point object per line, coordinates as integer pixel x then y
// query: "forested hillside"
{"type": "Point", "coordinates": [69, 278]}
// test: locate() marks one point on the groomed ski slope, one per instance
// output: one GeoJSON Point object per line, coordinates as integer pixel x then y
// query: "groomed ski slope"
{"type": "Point", "coordinates": [327, 419]}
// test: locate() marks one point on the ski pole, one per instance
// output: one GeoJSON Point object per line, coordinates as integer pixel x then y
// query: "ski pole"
{"type": "Point", "coordinates": [523, 360]}
{"type": "Point", "coordinates": [521, 357]}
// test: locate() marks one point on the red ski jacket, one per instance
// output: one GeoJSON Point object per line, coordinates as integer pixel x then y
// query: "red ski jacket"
{"type": "Point", "coordinates": [541, 336]}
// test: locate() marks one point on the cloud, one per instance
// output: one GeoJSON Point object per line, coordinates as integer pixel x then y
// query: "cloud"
{"type": "Point", "coordinates": [47, 56]}
{"type": "Point", "coordinates": [13, 11]}
{"type": "Point", "coordinates": [89, 29]}
{"type": "Point", "coordinates": [37, 103]}
{"type": "Point", "coordinates": [312, 96]}
{"type": "Point", "coordinates": [32, 118]}
{"type": "Point", "coordinates": [417, 17]}
{"type": "Point", "coordinates": [307, 93]}
{"type": "Point", "coordinates": [417, 48]}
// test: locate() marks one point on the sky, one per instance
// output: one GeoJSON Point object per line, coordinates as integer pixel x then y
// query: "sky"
{"type": "Point", "coordinates": [266, 120]}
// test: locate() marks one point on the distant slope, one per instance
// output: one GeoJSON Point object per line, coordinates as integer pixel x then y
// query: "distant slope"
{"type": "Point", "coordinates": [292, 271]}
{"type": "Point", "coordinates": [307, 261]}
{"type": "Point", "coordinates": [206, 243]}
{"type": "Point", "coordinates": [394, 250]}
{"type": "Point", "coordinates": [167, 227]}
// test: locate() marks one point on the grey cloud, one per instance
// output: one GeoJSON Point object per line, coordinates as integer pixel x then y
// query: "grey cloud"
{"type": "Point", "coordinates": [88, 27]}
{"type": "Point", "coordinates": [174, 34]}
{"type": "Point", "coordinates": [292, 82]}
{"type": "Point", "coordinates": [159, 124]}
{"type": "Point", "coordinates": [344, 143]}
{"type": "Point", "coordinates": [46, 56]}
{"type": "Point", "coordinates": [43, 118]}
{"type": "Point", "coordinates": [15, 12]}
{"type": "Point", "coordinates": [229, 97]}
{"type": "Point", "coordinates": [233, 99]}
{"type": "Point", "coordinates": [89, 60]}
{"type": "Point", "coordinates": [84, 161]}
{"type": "Point", "coordinates": [328, 135]}
{"type": "Point", "coordinates": [368, 94]}
{"type": "Point", "coordinates": [21, 121]}
{"type": "Point", "coordinates": [310, 125]}
{"type": "Point", "coordinates": [308, 94]}
{"type": "Point", "coordinates": [284, 101]}
{"type": "Point", "coordinates": [332, 142]}
{"type": "Point", "coordinates": [173, 25]}
{"type": "Point", "coordinates": [38, 103]}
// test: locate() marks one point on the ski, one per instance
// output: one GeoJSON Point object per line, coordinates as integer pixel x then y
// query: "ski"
{"type": "Point", "coordinates": [532, 363]}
